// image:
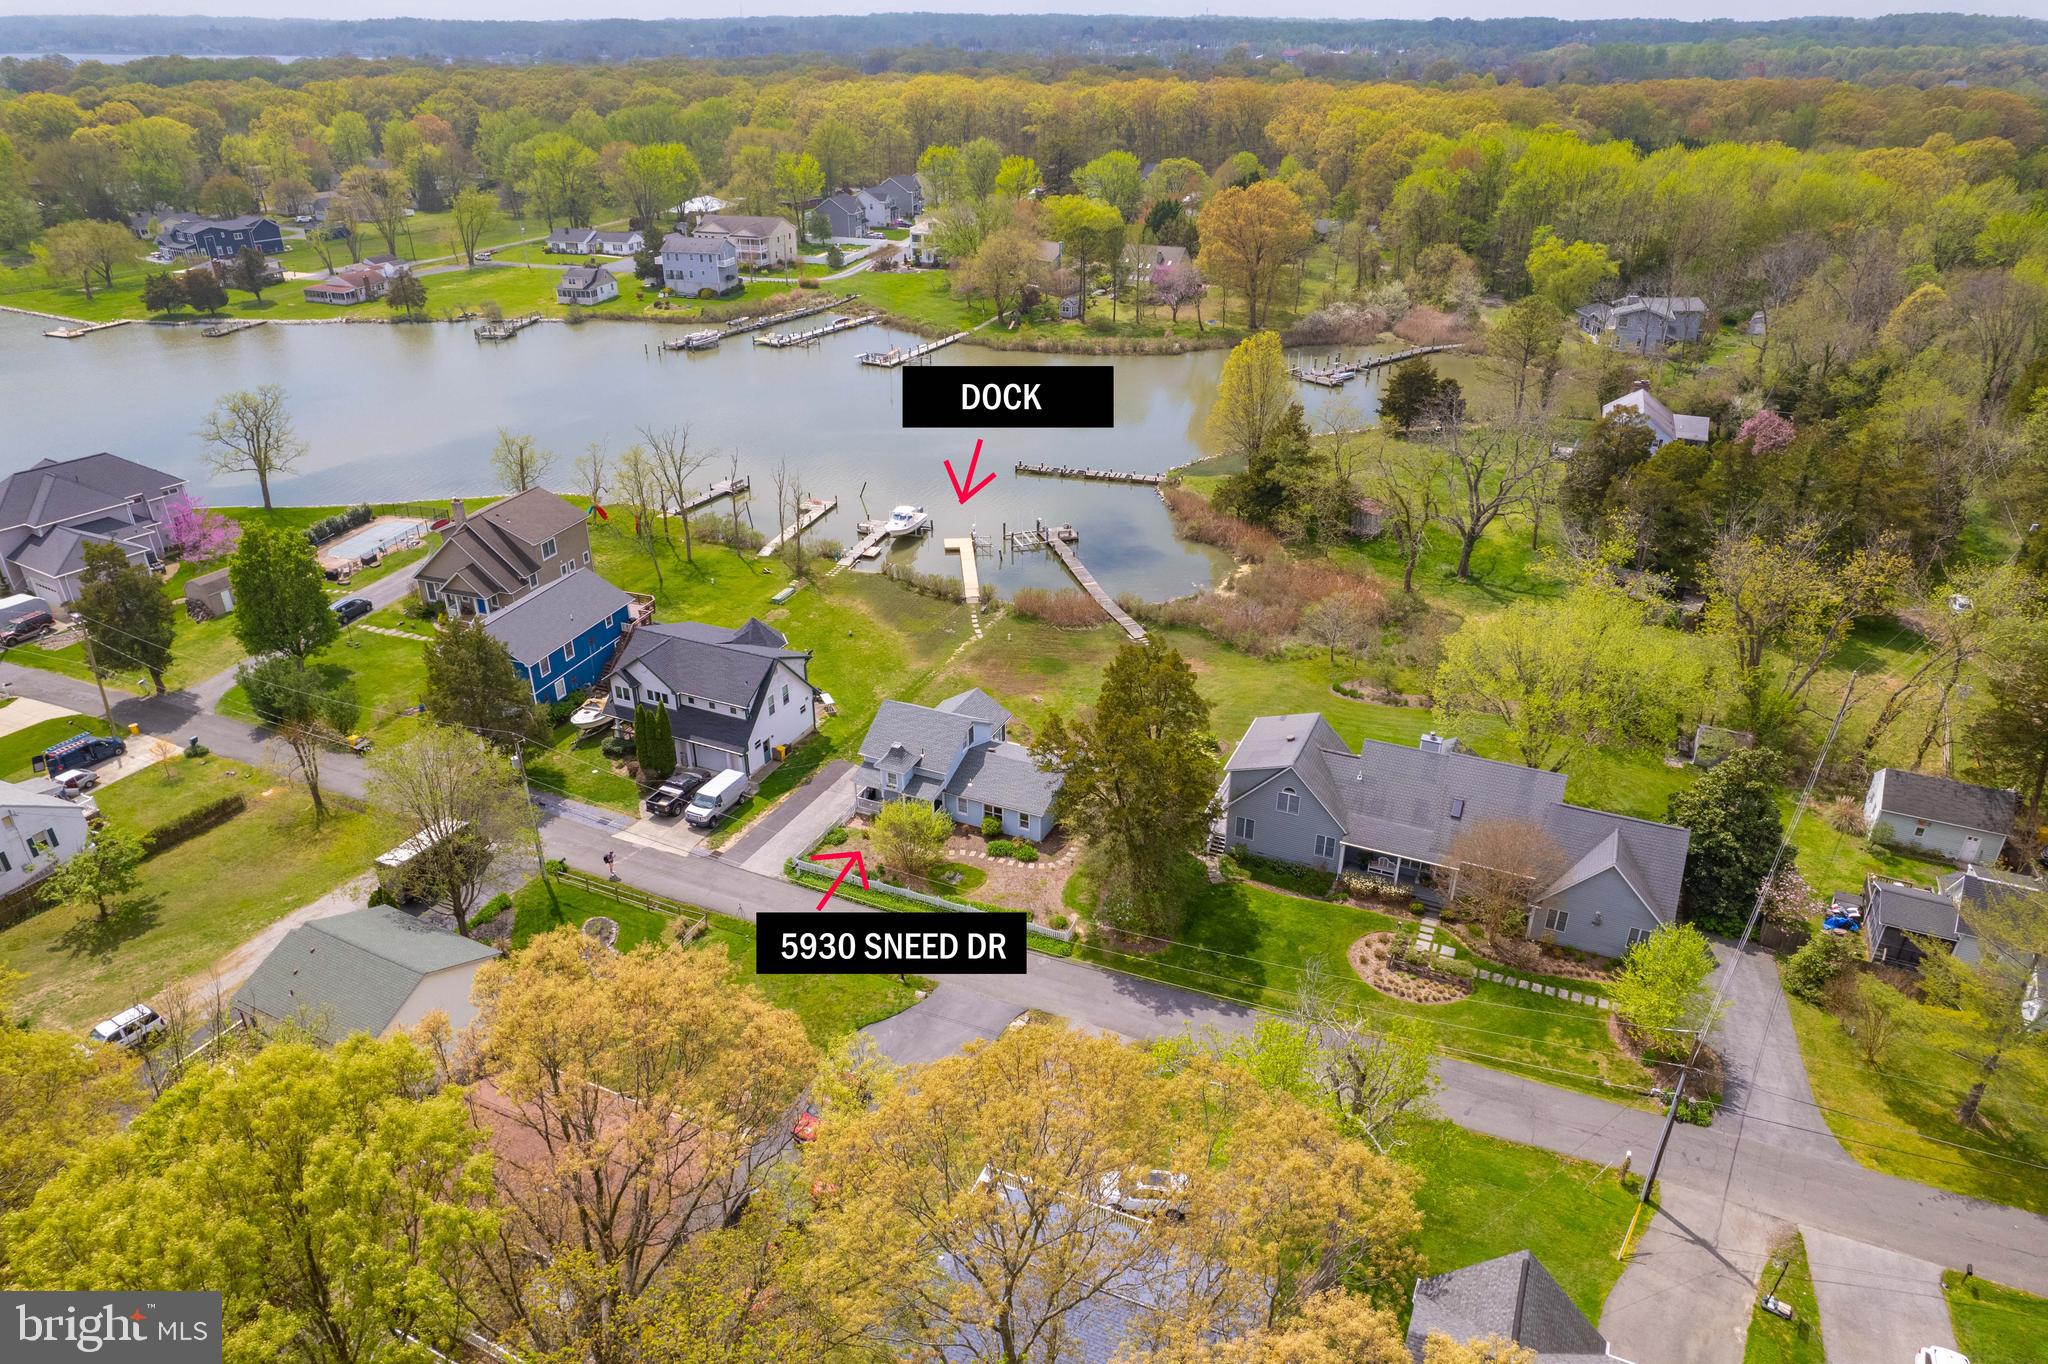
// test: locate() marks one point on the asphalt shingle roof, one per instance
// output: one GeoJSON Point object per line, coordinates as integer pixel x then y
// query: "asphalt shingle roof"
{"type": "Point", "coordinates": [1005, 775]}
{"type": "Point", "coordinates": [1949, 802]}
{"type": "Point", "coordinates": [976, 704]}
{"type": "Point", "coordinates": [1511, 1296]}
{"type": "Point", "coordinates": [353, 972]}
{"type": "Point", "coordinates": [933, 736]}
{"type": "Point", "coordinates": [582, 276]}
{"type": "Point", "coordinates": [713, 662]}
{"type": "Point", "coordinates": [1894, 904]}
{"type": "Point", "coordinates": [545, 619]}
{"type": "Point", "coordinates": [55, 490]}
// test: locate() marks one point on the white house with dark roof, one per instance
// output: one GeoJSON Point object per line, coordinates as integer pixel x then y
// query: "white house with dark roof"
{"type": "Point", "coordinates": [39, 833]}
{"type": "Point", "coordinates": [51, 510]}
{"type": "Point", "coordinates": [1513, 1297]}
{"type": "Point", "coordinates": [491, 558]}
{"type": "Point", "coordinates": [1294, 792]}
{"type": "Point", "coordinates": [1641, 405]}
{"type": "Point", "coordinates": [377, 971]}
{"type": "Point", "coordinates": [1948, 818]}
{"type": "Point", "coordinates": [591, 241]}
{"type": "Point", "coordinates": [955, 756]}
{"type": "Point", "coordinates": [586, 285]}
{"type": "Point", "coordinates": [736, 699]}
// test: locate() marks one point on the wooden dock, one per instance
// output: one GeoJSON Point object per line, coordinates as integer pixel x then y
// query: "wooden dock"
{"type": "Point", "coordinates": [1095, 475]}
{"type": "Point", "coordinates": [230, 328]}
{"type": "Point", "coordinates": [1063, 547]}
{"type": "Point", "coordinates": [784, 340]}
{"type": "Point", "coordinates": [1341, 372]}
{"type": "Point", "coordinates": [753, 324]}
{"type": "Point", "coordinates": [725, 487]}
{"type": "Point", "coordinates": [970, 573]}
{"type": "Point", "coordinates": [84, 329]}
{"type": "Point", "coordinates": [895, 357]}
{"type": "Point", "coordinates": [814, 511]}
{"type": "Point", "coordinates": [872, 534]}
{"type": "Point", "coordinates": [507, 329]}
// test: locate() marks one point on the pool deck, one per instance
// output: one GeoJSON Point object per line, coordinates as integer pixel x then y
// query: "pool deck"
{"type": "Point", "coordinates": [379, 535]}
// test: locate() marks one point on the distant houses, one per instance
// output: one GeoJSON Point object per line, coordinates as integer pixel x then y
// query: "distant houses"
{"type": "Point", "coordinates": [586, 285]}
{"type": "Point", "coordinates": [1639, 404]}
{"type": "Point", "coordinates": [590, 241]}
{"type": "Point", "coordinates": [1644, 323]}
{"type": "Point", "coordinates": [851, 214]}
{"type": "Point", "coordinates": [218, 238]}
{"type": "Point", "coordinates": [491, 558]}
{"type": "Point", "coordinates": [697, 266]}
{"type": "Point", "coordinates": [757, 241]}
{"type": "Point", "coordinates": [350, 285]}
{"type": "Point", "coordinates": [50, 511]}
{"type": "Point", "coordinates": [901, 198]}
{"type": "Point", "coordinates": [1142, 258]}
{"type": "Point", "coordinates": [562, 634]}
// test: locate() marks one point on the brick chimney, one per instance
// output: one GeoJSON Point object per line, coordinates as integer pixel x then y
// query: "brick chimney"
{"type": "Point", "coordinates": [455, 510]}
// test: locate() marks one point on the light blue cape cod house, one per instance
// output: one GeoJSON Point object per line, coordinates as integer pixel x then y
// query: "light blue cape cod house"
{"type": "Point", "coordinates": [956, 757]}
{"type": "Point", "coordinates": [1293, 791]}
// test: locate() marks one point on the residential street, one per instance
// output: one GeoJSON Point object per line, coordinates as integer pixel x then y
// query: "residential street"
{"type": "Point", "coordinates": [1765, 1157]}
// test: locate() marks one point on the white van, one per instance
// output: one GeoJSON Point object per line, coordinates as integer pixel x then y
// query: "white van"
{"type": "Point", "coordinates": [715, 797]}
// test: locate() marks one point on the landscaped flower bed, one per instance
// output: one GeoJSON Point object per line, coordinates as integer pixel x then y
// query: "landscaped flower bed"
{"type": "Point", "coordinates": [1380, 962]}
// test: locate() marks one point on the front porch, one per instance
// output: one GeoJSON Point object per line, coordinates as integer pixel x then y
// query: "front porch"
{"type": "Point", "coordinates": [1425, 881]}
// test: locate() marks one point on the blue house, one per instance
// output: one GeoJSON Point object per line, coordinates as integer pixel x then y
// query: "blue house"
{"type": "Point", "coordinates": [563, 635]}
{"type": "Point", "coordinates": [224, 237]}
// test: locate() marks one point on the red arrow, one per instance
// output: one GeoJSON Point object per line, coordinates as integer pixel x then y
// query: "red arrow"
{"type": "Point", "coordinates": [968, 488]}
{"type": "Point", "coordinates": [858, 864]}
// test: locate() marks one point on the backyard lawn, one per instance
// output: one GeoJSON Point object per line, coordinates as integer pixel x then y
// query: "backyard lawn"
{"type": "Point", "coordinates": [1772, 1339]}
{"type": "Point", "coordinates": [1995, 1324]}
{"type": "Point", "coordinates": [390, 676]}
{"type": "Point", "coordinates": [1899, 1116]}
{"type": "Point", "coordinates": [829, 1005]}
{"type": "Point", "coordinates": [197, 900]}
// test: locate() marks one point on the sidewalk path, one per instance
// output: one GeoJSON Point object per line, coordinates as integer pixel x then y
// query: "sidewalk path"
{"type": "Point", "coordinates": [25, 711]}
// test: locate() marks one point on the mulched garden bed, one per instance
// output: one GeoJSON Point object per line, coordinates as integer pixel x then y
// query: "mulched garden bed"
{"type": "Point", "coordinates": [603, 929]}
{"type": "Point", "coordinates": [1371, 958]}
{"type": "Point", "coordinates": [1707, 1074]}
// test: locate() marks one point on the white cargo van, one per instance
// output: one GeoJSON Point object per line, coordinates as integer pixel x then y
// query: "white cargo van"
{"type": "Point", "coordinates": [715, 797]}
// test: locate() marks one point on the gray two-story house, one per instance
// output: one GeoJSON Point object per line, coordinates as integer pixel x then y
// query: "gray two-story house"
{"type": "Point", "coordinates": [955, 757]}
{"type": "Point", "coordinates": [697, 266]}
{"type": "Point", "coordinates": [851, 214]}
{"type": "Point", "coordinates": [50, 511]}
{"type": "Point", "coordinates": [737, 698]}
{"type": "Point", "coordinates": [491, 558]}
{"type": "Point", "coordinates": [1295, 792]}
{"type": "Point", "coordinates": [1644, 323]}
{"type": "Point", "coordinates": [901, 198]}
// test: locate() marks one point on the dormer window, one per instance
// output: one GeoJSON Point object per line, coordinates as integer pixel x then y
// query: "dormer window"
{"type": "Point", "coordinates": [1290, 801]}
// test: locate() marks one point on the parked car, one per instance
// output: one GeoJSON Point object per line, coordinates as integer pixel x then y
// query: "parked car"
{"type": "Point", "coordinates": [675, 793]}
{"type": "Point", "coordinates": [715, 797]}
{"type": "Point", "coordinates": [132, 1027]}
{"type": "Point", "coordinates": [1939, 1354]}
{"type": "Point", "coordinates": [351, 608]}
{"type": "Point", "coordinates": [485, 255]}
{"type": "Point", "coordinates": [302, 218]}
{"type": "Point", "coordinates": [26, 626]}
{"type": "Point", "coordinates": [84, 750]}
{"type": "Point", "coordinates": [76, 781]}
{"type": "Point", "coordinates": [1157, 1193]}
{"type": "Point", "coordinates": [78, 797]}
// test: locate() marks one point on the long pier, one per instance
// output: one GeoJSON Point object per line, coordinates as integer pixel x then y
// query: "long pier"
{"type": "Point", "coordinates": [754, 324]}
{"type": "Point", "coordinates": [970, 573]}
{"type": "Point", "coordinates": [1095, 475]}
{"type": "Point", "coordinates": [230, 328]}
{"type": "Point", "coordinates": [1060, 540]}
{"type": "Point", "coordinates": [725, 487]}
{"type": "Point", "coordinates": [872, 533]}
{"type": "Point", "coordinates": [82, 329]}
{"type": "Point", "coordinates": [814, 511]}
{"type": "Point", "coordinates": [782, 340]}
{"type": "Point", "coordinates": [1340, 373]}
{"type": "Point", "coordinates": [894, 358]}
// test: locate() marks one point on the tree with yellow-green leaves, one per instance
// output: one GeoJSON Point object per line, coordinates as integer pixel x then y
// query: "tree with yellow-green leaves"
{"type": "Point", "coordinates": [640, 1097]}
{"type": "Point", "coordinates": [1249, 232]}
{"type": "Point", "coordinates": [1252, 398]}
{"type": "Point", "coordinates": [57, 1100]}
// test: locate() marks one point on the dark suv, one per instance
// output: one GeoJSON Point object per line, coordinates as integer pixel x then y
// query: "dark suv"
{"type": "Point", "coordinates": [675, 793]}
{"type": "Point", "coordinates": [352, 608]}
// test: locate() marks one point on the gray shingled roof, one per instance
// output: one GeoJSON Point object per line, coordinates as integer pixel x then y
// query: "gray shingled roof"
{"type": "Point", "coordinates": [714, 662]}
{"type": "Point", "coordinates": [976, 704]}
{"type": "Point", "coordinates": [1005, 775]}
{"type": "Point", "coordinates": [353, 972]}
{"type": "Point", "coordinates": [544, 620]}
{"type": "Point", "coordinates": [55, 490]}
{"type": "Point", "coordinates": [1949, 802]}
{"type": "Point", "coordinates": [1894, 904]}
{"type": "Point", "coordinates": [932, 735]}
{"type": "Point", "coordinates": [533, 515]}
{"type": "Point", "coordinates": [1512, 1296]}
{"type": "Point", "coordinates": [681, 241]}
{"type": "Point", "coordinates": [581, 276]}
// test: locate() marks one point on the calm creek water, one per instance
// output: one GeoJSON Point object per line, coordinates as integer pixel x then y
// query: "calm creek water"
{"type": "Point", "coordinates": [410, 413]}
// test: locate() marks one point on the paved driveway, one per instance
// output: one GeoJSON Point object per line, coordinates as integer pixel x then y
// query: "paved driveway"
{"type": "Point", "coordinates": [1876, 1305]}
{"type": "Point", "coordinates": [798, 822]}
{"type": "Point", "coordinates": [1696, 1265]}
{"type": "Point", "coordinates": [1766, 1085]}
{"type": "Point", "coordinates": [940, 1024]}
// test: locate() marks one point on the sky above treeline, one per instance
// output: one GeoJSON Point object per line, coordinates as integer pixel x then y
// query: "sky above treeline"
{"type": "Point", "coordinates": [1305, 9]}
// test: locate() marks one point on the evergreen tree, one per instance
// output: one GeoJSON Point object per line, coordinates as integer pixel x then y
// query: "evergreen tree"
{"type": "Point", "coordinates": [1733, 814]}
{"type": "Point", "coordinates": [126, 614]}
{"type": "Point", "coordinates": [473, 683]}
{"type": "Point", "coordinates": [1409, 393]}
{"type": "Point", "coordinates": [1280, 474]}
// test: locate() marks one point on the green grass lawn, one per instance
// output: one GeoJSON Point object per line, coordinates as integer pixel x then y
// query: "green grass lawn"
{"type": "Point", "coordinates": [1833, 860]}
{"type": "Point", "coordinates": [1898, 1116]}
{"type": "Point", "coordinates": [1772, 1339]}
{"type": "Point", "coordinates": [1995, 1324]}
{"type": "Point", "coordinates": [1248, 942]}
{"type": "Point", "coordinates": [390, 676]}
{"type": "Point", "coordinates": [830, 1005]}
{"type": "Point", "coordinates": [1482, 1197]}
{"type": "Point", "coordinates": [574, 767]}
{"type": "Point", "coordinates": [19, 748]}
{"type": "Point", "coordinates": [196, 902]}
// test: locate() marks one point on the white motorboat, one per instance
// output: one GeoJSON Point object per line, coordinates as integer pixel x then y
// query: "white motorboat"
{"type": "Point", "coordinates": [908, 520]}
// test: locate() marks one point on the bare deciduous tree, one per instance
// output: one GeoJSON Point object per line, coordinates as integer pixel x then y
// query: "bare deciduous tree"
{"type": "Point", "coordinates": [678, 469]}
{"type": "Point", "coordinates": [519, 461]}
{"type": "Point", "coordinates": [249, 432]}
{"type": "Point", "coordinates": [1502, 866]}
{"type": "Point", "coordinates": [1484, 470]}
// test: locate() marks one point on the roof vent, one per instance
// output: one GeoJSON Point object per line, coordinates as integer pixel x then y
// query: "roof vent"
{"type": "Point", "coordinates": [1457, 807]}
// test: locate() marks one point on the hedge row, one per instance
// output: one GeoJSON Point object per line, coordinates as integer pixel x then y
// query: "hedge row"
{"type": "Point", "coordinates": [325, 529]}
{"type": "Point", "coordinates": [191, 824]}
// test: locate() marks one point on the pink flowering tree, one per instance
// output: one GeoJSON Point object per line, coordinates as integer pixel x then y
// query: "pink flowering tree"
{"type": "Point", "coordinates": [197, 534]}
{"type": "Point", "coordinates": [1766, 432]}
{"type": "Point", "coordinates": [1177, 285]}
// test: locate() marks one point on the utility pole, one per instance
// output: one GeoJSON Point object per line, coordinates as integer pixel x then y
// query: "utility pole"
{"type": "Point", "coordinates": [92, 666]}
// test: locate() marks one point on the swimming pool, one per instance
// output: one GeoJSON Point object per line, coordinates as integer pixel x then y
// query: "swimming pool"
{"type": "Point", "coordinates": [371, 538]}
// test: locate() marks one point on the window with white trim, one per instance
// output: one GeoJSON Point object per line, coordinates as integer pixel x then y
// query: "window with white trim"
{"type": "Point", "coordinates": [1290, 801]}
{"type": "Point", "coordinates": [1554, 920]}
{"type": "Point", "coordinates": [1636, 935]}
{"type": "Point", "coordinates": [547, 549]}
{"type": "Point", "coordinates": [569, 651]}
{"type": "Point", "coordinates": [567, 569]}
{"type": "Point", "coordinates": [1245, 826]}
{"type": "Point", "coordinates": [1326, 846]}
{"type": "Point", "coordinates": [1023, 821]}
